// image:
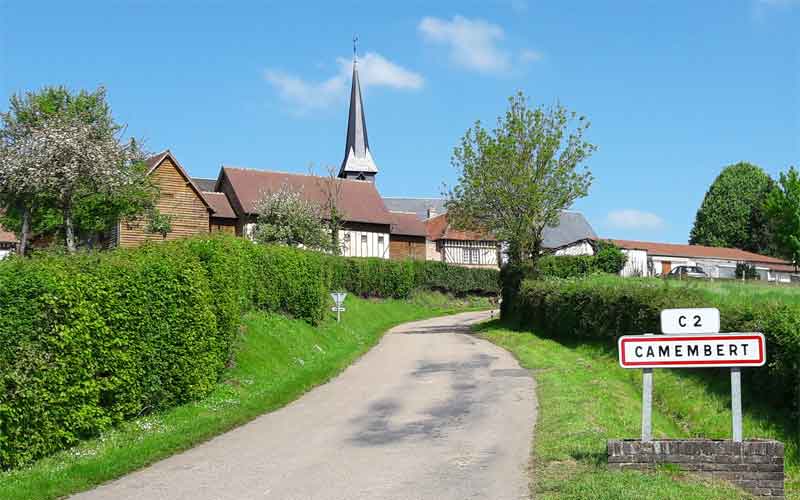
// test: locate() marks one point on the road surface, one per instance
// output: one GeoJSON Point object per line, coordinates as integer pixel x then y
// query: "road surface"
{"type": "Point", "coordinates": [430, 413]}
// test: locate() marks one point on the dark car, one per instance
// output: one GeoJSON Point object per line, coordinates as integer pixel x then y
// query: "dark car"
{"type": "Point", "coordinates": [688, 272]}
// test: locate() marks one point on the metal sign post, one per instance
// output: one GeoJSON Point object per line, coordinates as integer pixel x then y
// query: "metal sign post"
{"type": "Point", "coordinates": [736, 403]}
{"type": "Point", "coordinates": [647, 405]}
{"type": "Point", "coordinates": [692, 340]}
{"type": "Point", "coordinates": [338, 299]}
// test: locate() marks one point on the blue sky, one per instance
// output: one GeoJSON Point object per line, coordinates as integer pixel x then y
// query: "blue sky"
{"type": "Point", "coordinates": [674, 90]}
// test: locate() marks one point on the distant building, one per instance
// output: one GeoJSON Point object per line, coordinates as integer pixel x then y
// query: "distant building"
{"type": "Point", "coordinates": [179, 198]}
{"type": "Point", "coordinates": [396, 228]}
{"type": "Point", "coordinates": [659, 259]}
{"type": "Point", "coordinates": [8, 242]}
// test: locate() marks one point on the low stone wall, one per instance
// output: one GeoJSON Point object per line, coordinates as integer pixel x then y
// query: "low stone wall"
{"type": "Point", "coordinates": [755, 466]}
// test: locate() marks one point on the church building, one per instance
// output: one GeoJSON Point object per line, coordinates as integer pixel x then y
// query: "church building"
{"type": "Point", "coordinates": [410, 228]}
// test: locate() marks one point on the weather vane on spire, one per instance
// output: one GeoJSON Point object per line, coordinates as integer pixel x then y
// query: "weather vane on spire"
{"type": "Point", "coordinates": [355, 55]}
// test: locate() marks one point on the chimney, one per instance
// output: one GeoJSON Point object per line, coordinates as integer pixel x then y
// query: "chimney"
{"type": "Point", "coordinates": [431, 212]}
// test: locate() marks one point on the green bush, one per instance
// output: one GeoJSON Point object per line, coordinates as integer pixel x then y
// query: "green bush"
{"type": "Point", "coordinates": [608, 258]}
{"type": "Point", "coordinates": [608, 307]}
{"type": "Point", "coordinates": [87, 341]}
{"type": "Point", "coordinates": [372, 277]}
{"type": "Point", "coordinates": [458, 280]}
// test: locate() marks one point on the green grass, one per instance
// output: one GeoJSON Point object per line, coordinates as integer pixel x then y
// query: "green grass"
{"type": "Point", "coordinates": [277, 360]}
{"type": "Point", "coordinates": [585, 398]}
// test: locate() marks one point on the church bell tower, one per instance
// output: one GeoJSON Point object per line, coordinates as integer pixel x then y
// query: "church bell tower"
{"type": "Point", "coordinates": [358, 163]}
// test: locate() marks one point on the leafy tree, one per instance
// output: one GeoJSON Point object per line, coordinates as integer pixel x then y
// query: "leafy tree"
{"type": "Point", "coordinates": [732, 213]}
{"type": "Point", "coordinates": [783, 206]}
{"type": "Point", "coordinates": [94, 211]}
{"type": "Point", "coordinates": [609, 258]}
{"type": "Point", "coordinates": [159, 223]}
{"type": "Point", "coordinates": [514, 180]}
{"type": "Point", "coordinates": [63, 157]}
{"type": "Point", "coordinates": [286, 217]}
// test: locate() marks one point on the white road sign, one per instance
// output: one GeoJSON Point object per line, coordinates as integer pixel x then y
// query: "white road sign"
{"type": "Point", "coordinates": [701, 320]}
{"type": "Point", "coordinates": [337, 309]}
{"type": "Point", "coordinates": [338, 297]}
{"type": "Point", "coordinates": [687, 351]}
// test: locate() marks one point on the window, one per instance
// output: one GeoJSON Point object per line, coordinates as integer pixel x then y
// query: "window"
{"type": "Point", "coordinates": [471, 256]}
{"type": "Point", "coordinates": [364, 251]}
{"type": "Point", "coordinates": [380, 246]}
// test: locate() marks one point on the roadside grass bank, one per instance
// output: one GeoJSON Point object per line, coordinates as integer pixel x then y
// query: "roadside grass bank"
{"type": "Point", "coordinates": [585, 398]}
{"type": "Point", "coordinates": [277, 359]}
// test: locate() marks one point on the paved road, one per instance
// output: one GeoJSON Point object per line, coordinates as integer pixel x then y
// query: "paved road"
{"type": "Point", "coordinates": [429, 413]}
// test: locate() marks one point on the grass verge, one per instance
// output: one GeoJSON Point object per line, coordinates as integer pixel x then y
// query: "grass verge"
{"type": "Point", "coordinates": [277, 360]}
{"type": "Point", "coordinates": [585, 399]}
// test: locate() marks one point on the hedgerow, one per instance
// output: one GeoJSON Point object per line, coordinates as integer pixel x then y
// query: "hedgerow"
{"type": "Point", "coordinates": [90, 340]}
{"type": "Point", "coordinates": [373, 277]}
{"type": "Point", "coordinates": [608, 258]}
{"type": "Point", "coordinates": [608, 307]}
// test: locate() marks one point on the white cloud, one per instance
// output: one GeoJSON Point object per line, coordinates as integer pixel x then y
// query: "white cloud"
{"type": "Point", "coordinates": [634, 219]}
{"type": "Point", "coordinates": [374, 70]}
{"type": "Point", "coordinates": [530, 55]}
{"type": "Point", "coordinates": [473, 43]}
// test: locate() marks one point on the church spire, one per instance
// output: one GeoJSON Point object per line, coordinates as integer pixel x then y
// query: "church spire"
{"type": "Point", "coordinates": [358, 162]}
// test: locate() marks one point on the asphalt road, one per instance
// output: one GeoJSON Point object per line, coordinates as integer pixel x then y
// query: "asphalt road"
{"type": "Point", "coordinates": [430, 413]}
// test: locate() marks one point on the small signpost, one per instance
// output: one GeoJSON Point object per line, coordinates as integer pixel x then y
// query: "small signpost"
{"type": "Point", "coordinates": [338, 299]}
{"type": "Point", "coordinates": [691, 340]}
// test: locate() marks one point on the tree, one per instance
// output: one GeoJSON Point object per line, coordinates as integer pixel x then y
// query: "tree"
{"type": "Point", "coordinates": [331, 187]}
{"type": "Point", "coordinates": [158, 223]}
{"type": "Point", "coordinates": [286, 217]}
{"type": "Point", "coordinates": [95, 212]}
{"type": "Point", "coordinates": [783, 206]}
{"type": "Point", "coordinates": [514, 180]}
{"type": "Point", "coordinates": [732, 212]}
{"type": "Point", "coordinates": [64, 156]}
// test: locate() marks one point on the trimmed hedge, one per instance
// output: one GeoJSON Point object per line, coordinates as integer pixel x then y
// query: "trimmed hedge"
{"type": "Point", "coordinates": [373, 277]}
{"type": "Point", "coordinates": [89, 340]}
{"type": "Point", "coordinates": [608, 259]}
{"type": "Point", "coordinates": [608, 307]}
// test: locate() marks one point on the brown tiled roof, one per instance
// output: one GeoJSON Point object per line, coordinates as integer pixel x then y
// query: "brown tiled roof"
{"type": "Point", "coordinates": [439, 229]}
{"type": "Point", "coordinates": [7, 236]}
{"type": "Point", "coordinates": [407, 224]}
{"type": "Point", "coordinates": [154, 161]}
{"type": "Point", "coordinates": [359, 200]}
{"type": "Point", "coordinates": [219, 203]}
{"type": "Point", "coordinates": [697, 251]}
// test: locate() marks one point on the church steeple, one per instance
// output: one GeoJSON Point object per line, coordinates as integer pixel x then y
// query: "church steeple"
{"type": "Point", "coordinates": [358, 162]}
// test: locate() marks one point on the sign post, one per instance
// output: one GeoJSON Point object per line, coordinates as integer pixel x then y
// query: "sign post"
{"type": "Point", "coordinates": [647, 405]}
{"type": "Point", "coordinates": [691, 340]}
{"type": "Point", "coordinates": [338, 299]}
{"type": "Point", "coordinates": [736, 403]}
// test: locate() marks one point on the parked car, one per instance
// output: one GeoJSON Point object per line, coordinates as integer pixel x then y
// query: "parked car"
{"type": "Point", "coordinates": [688, 272]}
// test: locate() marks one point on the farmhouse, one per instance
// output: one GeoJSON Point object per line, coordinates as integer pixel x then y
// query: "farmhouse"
{"type": "Point", "coordinates": [8, 242]}
{"type": "Point", "coordinates": [396, 228]}
{"type": "Point", "coordinates": [658, 259]}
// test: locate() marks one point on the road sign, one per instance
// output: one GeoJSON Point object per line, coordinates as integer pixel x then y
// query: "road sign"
{"type": "Point", "coordinates": [692, 351]}
{"type": "Point", "coordinates": [338, 299]}
{"type": "Point", "coordinates": [701, 320]}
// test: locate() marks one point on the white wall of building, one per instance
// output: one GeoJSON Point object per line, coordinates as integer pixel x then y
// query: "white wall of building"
{"type": "Point", "coordinates": [469, 253]}
{"type": "Point", "coordinates": [636, 265]}
{"type": "Point", "coordinates": [364, 243]}
{"type": "Point", "coordinates": [577, 248]}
